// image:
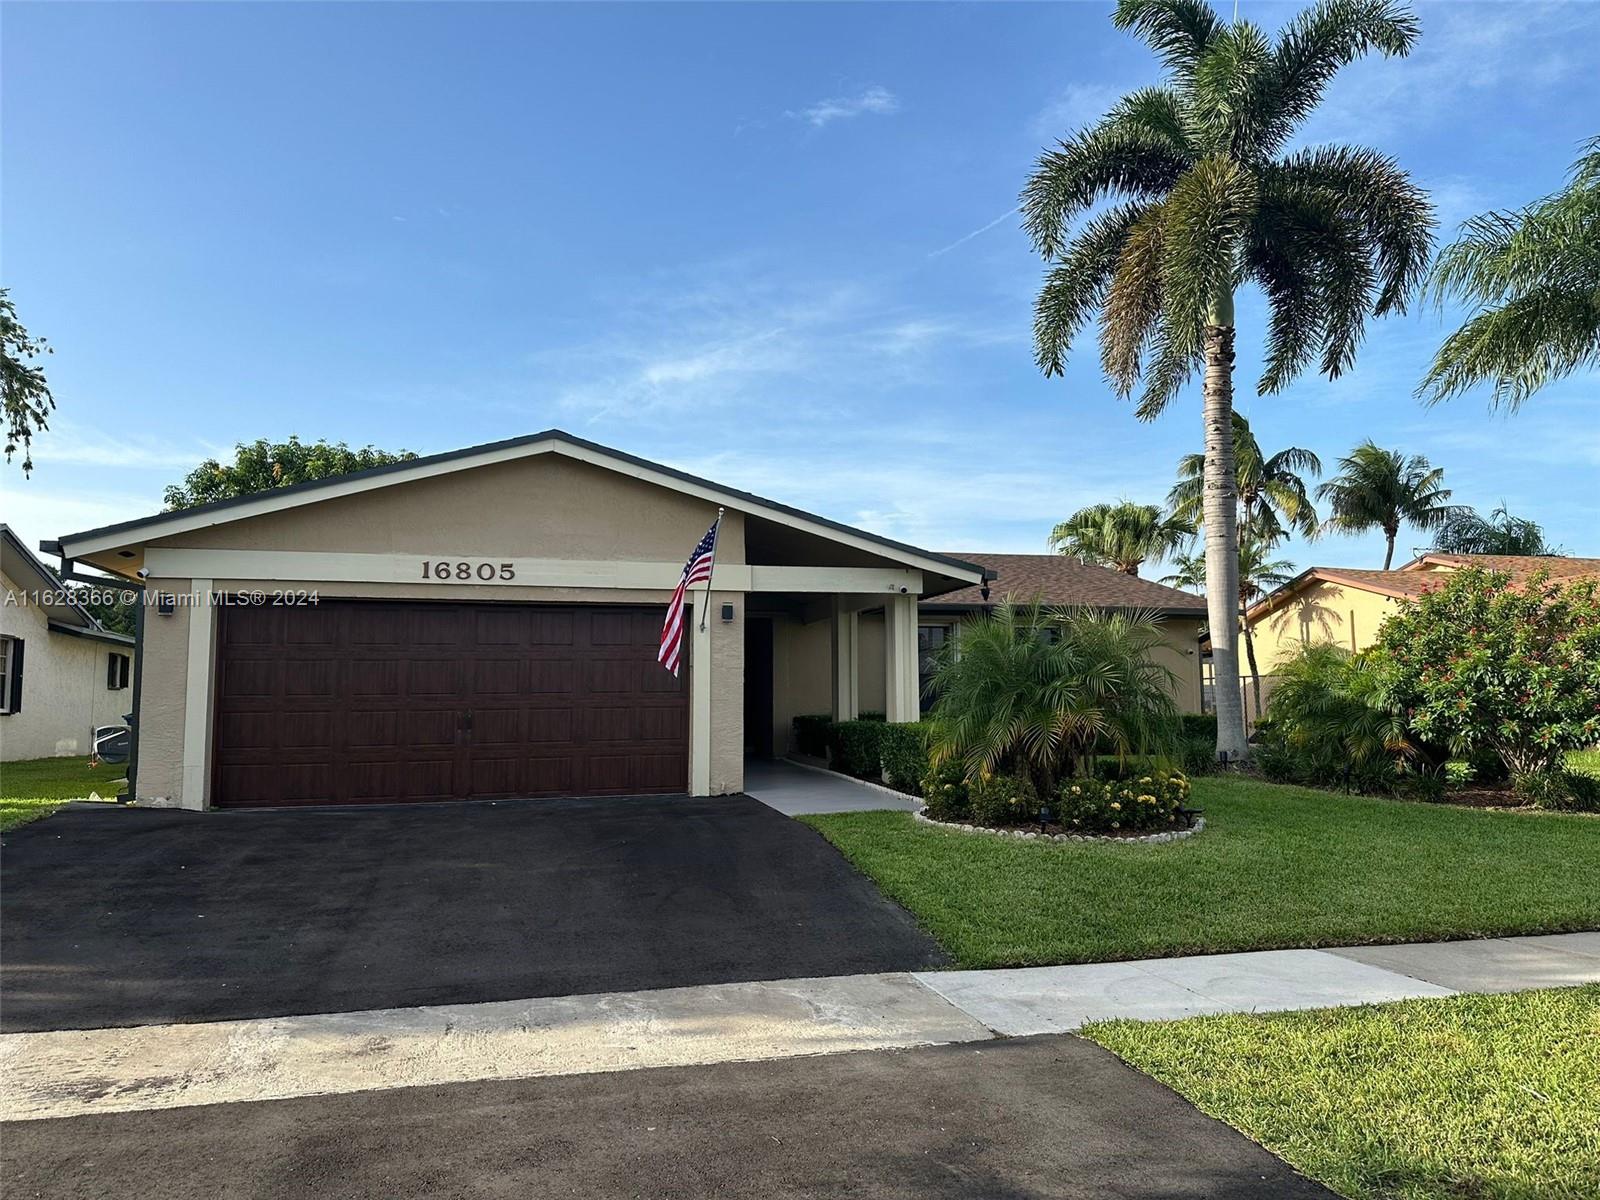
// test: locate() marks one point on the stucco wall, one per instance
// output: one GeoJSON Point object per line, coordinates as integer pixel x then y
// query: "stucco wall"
{"type": "Point", "coordinates": [1321, 612]}
{"type": "Point", "coordinates": [64, 693]}
{"type": "Point", "coordinates": [727, 694]}
{"type": "Point", "coordinates": [544, 507]}
{"type": "Point", "coordinates": [802, 676]}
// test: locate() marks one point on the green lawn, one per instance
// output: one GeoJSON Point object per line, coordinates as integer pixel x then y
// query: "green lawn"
{"type": "Point", "coordinates": [1471, 1096]}
{"type": "Point", "coordinates": [37, 787]}
{"type": "Point", "coordinates": [1587, 761]}
{"type": "Point", "coordinates": [1274, 867]}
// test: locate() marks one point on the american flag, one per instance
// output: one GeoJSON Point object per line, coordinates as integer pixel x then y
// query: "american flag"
{"type": "Point", "coordinates": [697, 570]}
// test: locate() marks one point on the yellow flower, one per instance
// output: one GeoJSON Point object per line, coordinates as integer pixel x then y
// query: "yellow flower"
{"type": "Point", "coordinates": [1115, 805]}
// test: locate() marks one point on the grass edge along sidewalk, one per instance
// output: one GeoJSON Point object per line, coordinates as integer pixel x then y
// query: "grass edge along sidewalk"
{"type": "Point", "coordinates": [1437, 1099]}
{"type": "Point", "coordinates": [36, 787]}
{"type": "Point", "coordinates": [1276, 867]}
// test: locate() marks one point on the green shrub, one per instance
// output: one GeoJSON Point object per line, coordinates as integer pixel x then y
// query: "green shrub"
{"type": "Point", "coordinates": [1459, 772]}
{"type": "Point", "coordinates": [1558, 789]}
{"type": "Point", "coordinates": [1480, 663]}
{"type": "Point", "coordinates": [1149, 801]}
{"type": "Point", "coordinates": [1199, 725]}
{"type": "Point", "coordinates": [1197, 753]}
{"type": "Point", "coordinates": [812, 733]}
{"type": "Point", "coordinates": [1326, 724]}
{"type": "Point", "coordinates": [1002, 800]}
{"type": "Point", "coordinates": [904, 751]}
{"type": "Point", "coordinates": [858, 747]}
{"type": "Point", "coordinates": [871, 716]}
{"type": "Point", "coordinates": [944, 792]}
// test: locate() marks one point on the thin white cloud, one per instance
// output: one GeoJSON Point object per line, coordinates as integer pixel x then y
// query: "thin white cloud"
{"type": "Point", "coordinates": [1077, 105]}
{"type": "Point", "coordinates": [982, 229]}
{"type": "Point", "coordinates": [70, 445]}
{"type": "Point", "coordinates": [875, 100]}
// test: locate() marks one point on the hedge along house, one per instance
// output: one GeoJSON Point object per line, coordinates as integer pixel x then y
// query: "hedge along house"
{"type": "Point", "coordinates": [484, 623]}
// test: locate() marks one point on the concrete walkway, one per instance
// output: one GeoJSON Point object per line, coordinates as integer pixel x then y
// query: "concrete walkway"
{"type": "Point", "coordinates": [75, 1072]}
{"type": "Point", "coordinates": [795, 790]}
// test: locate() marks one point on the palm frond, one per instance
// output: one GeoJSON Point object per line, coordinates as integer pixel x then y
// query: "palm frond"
{"type": "Point", "coordinates": [1115, 158]}
{"type": "Point", "coordinates": [1075, 287]}
{"type": "Point", "coordinates": [1179, 31]}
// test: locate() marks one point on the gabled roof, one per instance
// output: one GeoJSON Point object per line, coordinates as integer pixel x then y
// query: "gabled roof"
{"type": "Point", "coordinates": [1415, 577]}
{"type": "Point", "coordinates": [551, 441]}
{"type": "Point", "coordinates": [63, 614]}
{"type": "Point", "coordinates": [1058, 579]}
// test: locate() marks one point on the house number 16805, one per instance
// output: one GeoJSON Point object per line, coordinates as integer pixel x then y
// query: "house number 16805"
{"type": "Point", "coordinates": [467, 571]}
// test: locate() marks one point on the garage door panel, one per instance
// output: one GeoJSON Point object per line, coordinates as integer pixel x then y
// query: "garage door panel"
{"type": "Point", "coordinates": [372, 701]}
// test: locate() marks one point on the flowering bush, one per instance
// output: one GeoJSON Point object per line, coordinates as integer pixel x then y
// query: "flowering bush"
{"type": "Point", "coordinates": [1480, 663]}
{"type": "Point", "coordinates": [1142, 802]}
{"type": "Point", "coordinates": [944, 792]}
{"type": "Point", "coordinates": [1003, 800]}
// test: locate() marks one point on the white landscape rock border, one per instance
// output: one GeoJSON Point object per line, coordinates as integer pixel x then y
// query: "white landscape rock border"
{"type": "Point", "coordinates": [1033, 835]}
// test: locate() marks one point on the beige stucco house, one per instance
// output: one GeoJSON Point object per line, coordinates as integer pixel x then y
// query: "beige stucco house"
{"type": "Point", "coordinates": [61, 673]}
{"type": "Point", "coordinates": [1346, 606]}
{"type": "Point", "coordinates": [484, 623]}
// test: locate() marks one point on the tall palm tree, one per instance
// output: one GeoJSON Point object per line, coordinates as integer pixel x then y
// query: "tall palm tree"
{"type": "Point", "coordinates": [1385, 489]}
{"type": "Point", "coordinates": [1534, 276]}
{"type": "Point", "coordinates": [1259, 574]}
{"type": "Point", "coordinates": [1211, 201]}
{"type": "Point", "coordinates": [1273, 499]}
{"type": "Point", "coordinates": [1470, 532]}
{"type": "Point", "coordinates": [1121, 535]}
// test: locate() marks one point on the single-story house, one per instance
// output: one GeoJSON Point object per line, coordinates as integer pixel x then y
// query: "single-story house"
{"type": "Point", "coordinates": [484, 623]}
{"type": "Point", "coordinates": [62, 673]}
{"type": "Point", "coordinates": [1346, 605]}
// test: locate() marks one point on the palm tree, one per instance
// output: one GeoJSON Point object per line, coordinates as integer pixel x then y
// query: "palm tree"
{"type": "Point", "coordinates": [1534, 276]}
{"type": "Point", "coordinates": [1272, 493]}
{"type": "Point", "coordinates": [1258, 575]}
{"type": "Point", "coordinates": [1470, 532]}
{"type": "Point", "coordinates": [1037, 689]}
{"type": "Point", "coordinates": [1121, 535]}
{"type": "Point", "coordinates": [1210, 201]}
{"type": "Point", "coordinates": [1385, 489]}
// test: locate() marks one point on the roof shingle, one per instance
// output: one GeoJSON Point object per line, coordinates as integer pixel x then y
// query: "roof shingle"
{"type": "Point", "coordinates": [1058, 579]}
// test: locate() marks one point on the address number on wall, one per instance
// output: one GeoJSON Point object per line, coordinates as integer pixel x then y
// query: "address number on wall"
{"type": "Point", "coordinates": [467, 572]}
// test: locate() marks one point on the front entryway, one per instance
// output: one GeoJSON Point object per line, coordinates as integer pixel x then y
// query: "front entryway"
{"type": "Point", "coordinates": [363, 702]}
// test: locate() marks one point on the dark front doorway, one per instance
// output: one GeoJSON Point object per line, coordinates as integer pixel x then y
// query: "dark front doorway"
{"type": "Point", "coordinates": [758, 687]}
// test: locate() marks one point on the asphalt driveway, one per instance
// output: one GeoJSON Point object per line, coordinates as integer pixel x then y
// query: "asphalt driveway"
{"type": "Point", "coordinates": [1035, 1117]}
{"type": "Point", "coordinates": [131, 917]}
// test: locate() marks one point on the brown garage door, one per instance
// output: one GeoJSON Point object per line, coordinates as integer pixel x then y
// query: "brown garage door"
{"type": "Point", "coordinates": [365, 702]}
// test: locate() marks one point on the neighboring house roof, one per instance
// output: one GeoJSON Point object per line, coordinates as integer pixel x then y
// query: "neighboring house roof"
{"type": "Point", "coordinates": [63, 614]}
{"type": "Point", "coordinates": [1059, 579]}
{"type": "Point", "coordinates": [555, 441]}
{"type": "Point", "coordinates": [1422, 574]}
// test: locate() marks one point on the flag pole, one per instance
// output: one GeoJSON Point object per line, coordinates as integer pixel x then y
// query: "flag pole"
{"type": "Point", "coordinates": [715, 538]}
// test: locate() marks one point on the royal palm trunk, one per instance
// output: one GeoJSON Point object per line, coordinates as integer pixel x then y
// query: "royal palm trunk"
{"type": "Point", "coordinates": [1221, 516]}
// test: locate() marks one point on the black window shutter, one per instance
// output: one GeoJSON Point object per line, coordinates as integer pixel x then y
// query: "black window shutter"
{"type": "Point", "coordinates": [14, 668]}
{"type": "Point", "coordinates": [111, 672]}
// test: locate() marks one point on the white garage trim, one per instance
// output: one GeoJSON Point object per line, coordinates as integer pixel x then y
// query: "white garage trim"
{"type": "Point", "coordinates": [197, 697]}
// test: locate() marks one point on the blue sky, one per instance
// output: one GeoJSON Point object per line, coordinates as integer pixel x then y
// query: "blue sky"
{"type": "Point", "coordinates": [770, 244]}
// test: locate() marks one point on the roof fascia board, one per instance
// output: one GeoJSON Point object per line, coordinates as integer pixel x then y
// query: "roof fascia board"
{"type": "Point", "coordinates": [110, 537]}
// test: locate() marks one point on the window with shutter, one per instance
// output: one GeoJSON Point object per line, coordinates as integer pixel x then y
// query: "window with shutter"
{"type": "Point", "coordinates": [10, 675]}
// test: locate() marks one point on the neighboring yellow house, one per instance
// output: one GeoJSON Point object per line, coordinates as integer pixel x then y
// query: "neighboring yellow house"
{"type": "Point", "coordinates": [1346, 606]}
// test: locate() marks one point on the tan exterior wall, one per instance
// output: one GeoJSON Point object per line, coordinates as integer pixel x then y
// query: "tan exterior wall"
{"type": "Point", "coordinates": [163, 694]}
{"type": "Point", "coordinates": [802, 676]}
{"type": "Point", "coordinates": [1180, 654]}
{"type": "Point", "coordinates": [1321, 612]}
{"type": "Point", "coordinates": [64, 693]}
{"type": "Point", "coordinates": [544, 507]}
{"type": "Point", "coordinates": [727, 694]}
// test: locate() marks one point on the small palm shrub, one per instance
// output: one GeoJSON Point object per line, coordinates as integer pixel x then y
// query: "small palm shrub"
{"type": "Point", "coordinates": [1035, 691]}
{"type": "Point", "coordinates": [1002, 800]}
{"type": "Point", "coordinates": [1327, 724]}
{"type": "Point", "coordinates": [944, 792]}
{"type": "Point", "coordinates": [1144, 802]}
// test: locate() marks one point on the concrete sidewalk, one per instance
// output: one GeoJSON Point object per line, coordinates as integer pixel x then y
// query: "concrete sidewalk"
{"type": "Point", "coordinates": [75, 1072]}
{"type": "Point", "coordinates": [795, 790]}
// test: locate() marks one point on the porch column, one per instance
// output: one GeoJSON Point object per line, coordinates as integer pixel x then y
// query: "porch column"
{"type": "Point", "coordinates": [901, 700]}
{"type": "Point", "coordinates": [844, 630]}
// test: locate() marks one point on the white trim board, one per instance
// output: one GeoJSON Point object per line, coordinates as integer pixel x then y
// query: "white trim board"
{"type": "Point", "coordinates": [291, 566]}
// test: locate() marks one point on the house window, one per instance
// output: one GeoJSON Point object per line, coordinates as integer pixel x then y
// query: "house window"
{"type": "Point", "coordinates": [1208, 689]}
{"type": "Point", "coordinates": [10, 675]}
{"type": "Point", "coordinates": [116, 672]}
{"type": "Point", "coordinates": [930, 639]}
